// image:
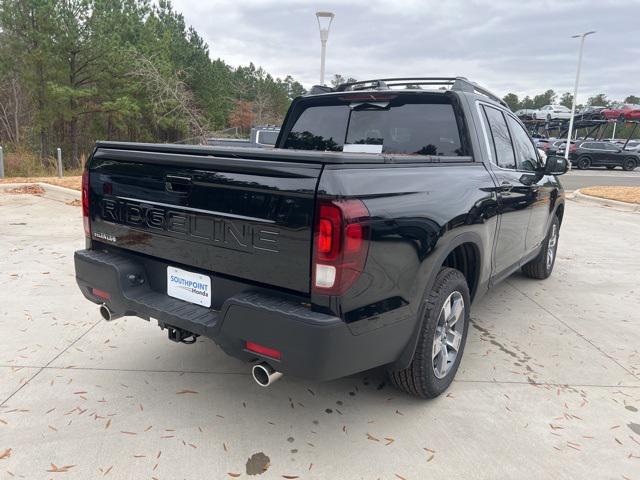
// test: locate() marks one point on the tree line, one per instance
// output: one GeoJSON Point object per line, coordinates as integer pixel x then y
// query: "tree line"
{"type": "Point", "coordinates": [72, 71]}
{"type": "Point", "coordinates": [550, 97]}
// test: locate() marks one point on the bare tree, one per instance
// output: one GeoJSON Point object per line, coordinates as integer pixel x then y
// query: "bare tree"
{"type": "Point", "coordinates": [170, 95]}
{"type": "Point", "coordinates": [14, 110]}
{"type": "Point", "coordinates": [263, 103]}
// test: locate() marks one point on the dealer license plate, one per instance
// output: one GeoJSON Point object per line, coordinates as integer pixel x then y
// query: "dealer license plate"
{"type": "Point", "coordinates": [189, 286]}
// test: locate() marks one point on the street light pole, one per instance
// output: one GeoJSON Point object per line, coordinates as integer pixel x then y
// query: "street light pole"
{"type": "Point", "coordinates": [582, 36]}
{"type": "Point", "coordinates": [324, 24]}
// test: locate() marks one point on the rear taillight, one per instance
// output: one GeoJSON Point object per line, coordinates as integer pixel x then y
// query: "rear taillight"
{"type": "Point", "coordinates": [85, 203]}
{"type": "Point", "coordinates": [341, 242]}
{"type": "Point", "coordinates": [572, 147]}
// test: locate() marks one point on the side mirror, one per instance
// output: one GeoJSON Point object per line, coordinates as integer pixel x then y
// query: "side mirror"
{"type": "Point", "coordinates": [556, 165]}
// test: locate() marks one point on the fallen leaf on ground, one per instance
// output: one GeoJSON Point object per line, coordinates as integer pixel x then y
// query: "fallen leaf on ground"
{"type": "Point", "coordinates": [27, 189]}
{"type": "Point", "coordinates": [182, 392]}
{"type": "Point", "coordinates": [5, 454]}
{"type": "Point", "coordinates": [55, 469]}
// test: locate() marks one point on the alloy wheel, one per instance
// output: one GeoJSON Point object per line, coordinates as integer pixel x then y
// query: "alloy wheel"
{"type": "Point", "coordinates": [448, 334]}
{"type": "Point", "coordinates": [551, 246]}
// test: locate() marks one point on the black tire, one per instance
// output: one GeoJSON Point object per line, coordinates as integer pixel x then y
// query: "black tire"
{"type": "Point", "coordinates": [629, 164]}
{"type": "Point", "coordinates": [548, 117]}
{"type": "Point", "coordinates": [419, 378]}
{"type": "Point", "coordinates": [583, 163]}
{"type": "Point", "coordinates": [621, 119]}
{"type": "Point", "coordinates": [540, 268]}
{"type": "Point", "coordinates": [610, 167]}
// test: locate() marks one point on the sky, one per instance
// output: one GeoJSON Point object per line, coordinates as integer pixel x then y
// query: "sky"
{"type": "Point", "coordinates": [524, 47]}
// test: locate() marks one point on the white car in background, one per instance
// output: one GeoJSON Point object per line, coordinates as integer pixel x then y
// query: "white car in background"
{"type": "Point", "coordinates": [525, 113]}
{"type": "Point", "coordinates": [552, 112]}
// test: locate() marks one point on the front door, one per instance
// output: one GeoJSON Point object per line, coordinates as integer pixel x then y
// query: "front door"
{"type": "Point", "coordinates": [529, 169]}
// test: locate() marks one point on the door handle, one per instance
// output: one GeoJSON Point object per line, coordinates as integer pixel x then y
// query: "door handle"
{"type": "Point", "coordinates": [177, 184]}
{"type": "Point", "coordinates": [505, 186]}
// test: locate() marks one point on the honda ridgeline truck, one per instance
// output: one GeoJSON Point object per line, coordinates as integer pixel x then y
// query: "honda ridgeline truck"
{"type": "Point", "coordinates": [360, 241]}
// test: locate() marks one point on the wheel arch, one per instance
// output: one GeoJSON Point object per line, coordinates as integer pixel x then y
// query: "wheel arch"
{"type": "Point", "coordinates": [465, 251]}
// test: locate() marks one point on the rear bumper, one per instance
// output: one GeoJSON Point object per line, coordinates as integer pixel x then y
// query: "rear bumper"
{"type": "Point", "coordinates": [313, 345]}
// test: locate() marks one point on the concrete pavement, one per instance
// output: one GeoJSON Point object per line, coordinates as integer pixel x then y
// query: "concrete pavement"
{"type": "Point", "coordinates": [549, 386]}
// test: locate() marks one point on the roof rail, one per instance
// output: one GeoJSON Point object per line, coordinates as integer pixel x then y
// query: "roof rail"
{"type": "Point", "coordinates": [460, 84]}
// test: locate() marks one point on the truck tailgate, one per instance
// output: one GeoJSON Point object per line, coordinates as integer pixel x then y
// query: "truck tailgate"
{"type": "Point", "coordinates": [250, 219]}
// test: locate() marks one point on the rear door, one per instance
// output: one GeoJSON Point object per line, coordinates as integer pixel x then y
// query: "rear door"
{"type": "Point", "coordinates": [514, 196]}
{"type": "Point", "coordinates": [250, 219]}
{"type": "Point", "coordinates": [613, 155]}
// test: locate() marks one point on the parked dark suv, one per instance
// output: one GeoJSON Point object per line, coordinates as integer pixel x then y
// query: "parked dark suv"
{"type": "Point", "coordinates": [602, 154]}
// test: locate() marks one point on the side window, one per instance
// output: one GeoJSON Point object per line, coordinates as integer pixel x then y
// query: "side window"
{"type": "Point", "coordinates": [502, 148]}
{"type": "Point", "coordinates": [526, 157]}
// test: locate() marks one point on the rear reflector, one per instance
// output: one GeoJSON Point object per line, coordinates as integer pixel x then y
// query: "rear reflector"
{"type": "Point", "coordinates": [262, 350]}
{"type": "Point", "coordinates": [101, 294]}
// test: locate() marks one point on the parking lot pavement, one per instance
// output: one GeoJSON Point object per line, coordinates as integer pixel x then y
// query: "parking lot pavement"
{"type": "Point", "coordinates": [549, 386]}
{"type": "Point", "coordinates": [576, 179]}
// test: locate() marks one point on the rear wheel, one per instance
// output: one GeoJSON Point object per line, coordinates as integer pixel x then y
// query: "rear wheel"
{"type": "Point", "coordinates": [583, 163]}
{"type": "Point", "coordinates": [629, 164]}
{"type": "Point", "coordinates": [542, 266]}
{"type": "Point", "coordinates": [442, 336]}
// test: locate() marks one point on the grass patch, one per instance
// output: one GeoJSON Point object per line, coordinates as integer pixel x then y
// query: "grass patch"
{"type": "Point", "coordinates": [26, 164]}
{"type": "Point", "coordinates": [74, 182]}
{"type": "Point", "coordinates": [621, 194]}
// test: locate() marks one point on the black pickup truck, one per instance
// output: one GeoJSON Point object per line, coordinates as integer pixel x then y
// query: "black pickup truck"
{"type": "Point", "coordinates": [360, 241]}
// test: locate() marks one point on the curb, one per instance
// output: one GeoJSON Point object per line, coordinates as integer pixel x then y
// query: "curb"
{"type": "Point", "coordinates": [580, 197]}
{"type": "Point", "coordinates": [53, 192]}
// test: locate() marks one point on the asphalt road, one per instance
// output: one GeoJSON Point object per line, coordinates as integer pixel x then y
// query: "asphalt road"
{"type": "Point", "coordinates": [549, 385]}
{"type": "Point", "coordinates": [576, 179]}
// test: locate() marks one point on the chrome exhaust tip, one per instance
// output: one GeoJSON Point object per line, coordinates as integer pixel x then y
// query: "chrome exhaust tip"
{"type": "Point", "coordinates": [107, 314]}
{"type": "Point", "coordinates": [264, 374]}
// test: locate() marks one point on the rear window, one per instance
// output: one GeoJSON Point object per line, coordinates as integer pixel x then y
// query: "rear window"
{"type": "Point", "coordinates": [389, 124]}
